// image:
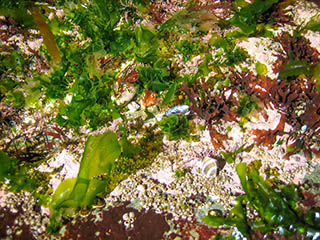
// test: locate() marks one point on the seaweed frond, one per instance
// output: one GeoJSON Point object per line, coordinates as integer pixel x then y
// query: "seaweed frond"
{"type": "Point", "coordinates": [212, 108]}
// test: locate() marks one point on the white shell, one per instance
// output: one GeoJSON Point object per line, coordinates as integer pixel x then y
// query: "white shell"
{"type": "Point", "coordinates": [209, 167]}
{"type": "Point", "coordinates": [126, 223]}
{"type": "Point", "coordinates": [126, 217]}
{"type": "Point", "coordinates": [304, 128]}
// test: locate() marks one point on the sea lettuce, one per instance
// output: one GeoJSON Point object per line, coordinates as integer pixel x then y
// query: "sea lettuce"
{"type": "Point", "coordinates": [16, 175]}
{"type": "Point", "coordinates": [147, 44]}
{"type": "Point", "coordinates": [93, 177]}
{"type": "Point", "coordinates": [246, 19]}
{"type": "Point", "coordinates": [176, 127]}
{"type": "Point", "coordinates": [155, 76]}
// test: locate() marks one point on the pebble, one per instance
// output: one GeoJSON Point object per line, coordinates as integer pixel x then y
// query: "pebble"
{"type": "Point", "coordinates": [131, 215]}
{"type": "Point", "coordinates": [125, 217]}
{"type": "Point", "coordinates": [133, 106]}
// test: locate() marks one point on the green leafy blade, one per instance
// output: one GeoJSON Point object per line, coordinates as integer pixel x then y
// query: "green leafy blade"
{"type": "Point", "coordinates": [98, 159]}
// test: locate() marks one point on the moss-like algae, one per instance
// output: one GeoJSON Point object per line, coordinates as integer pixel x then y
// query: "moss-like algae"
{"type": "Point", "coordinates": [148, 148]}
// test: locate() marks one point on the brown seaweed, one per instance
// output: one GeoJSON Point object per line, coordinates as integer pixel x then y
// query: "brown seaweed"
{"type": "Point", "coordinates": [311, 116]}
{"type": "Point", "coordinates": [251, 84]}
{"type": "Point", "coordinates": [217, 138]}
{"type": "Point", "coordinates": [299, 104]}
{"type": "Point", "coordinates": [268, 137]}
{"type": "Point", "coordinates": [47, 36]}
{"type": "Point", "coordinates": [307, 132]}
{"type": "Point", "coordinates": [213, 108]}
{"type": "Point", "coordinates": [277, 15]}
{"type": "Point", "coordinates": [295, 49]}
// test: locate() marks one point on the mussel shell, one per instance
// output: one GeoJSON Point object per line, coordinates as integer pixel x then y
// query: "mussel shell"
{"type": "Point", "coordinates": [179, 110]}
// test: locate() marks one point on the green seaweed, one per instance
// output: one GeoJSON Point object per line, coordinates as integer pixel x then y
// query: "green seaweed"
{"type": "Point", "coordinates": [16, 98]}
{"type": "Point", "coordinates": [6, 165]}
{"type": "Point", "coordinates": [89, 104]}
{"type": "Point", "coordinates": [276, 205]}
{"type": "Point", "coordinates": [296, 68]}
{"type": "Point", "coordinates": [181, 173]}
{"type": "Point", "coordinates": [204, 69]}
{"type": "Point", "coordinates": [246, 105]}
{"type": "Point", "coordinates": [155, 76]}
{"type": "Point", "coordinates": [147, 45]}
{"type": "Point", "coordinates": [236, 56]}
{"type": "Point", "coordinates": [170, 95]}
{"type": "Point", "coordinates": [246, 19]}
{"type": "Point", "coordinates": [18, 9]}
{"type": "Point", "coordinates": [98, 158]}
{"type": "Point", "coordinates": [183, 21]}
{"type": "Point", "coordinates": [175, 127]}
{"type": "Point", "coordinates": [21, 177]}
{"type": "Point", "coordinates": [188, 48]}
{"type": "Point", "coordinates": [312, 25]}
{"type": "Point", "coordinates": [261, 68]}
{"type": "Point", "coordinates": [136, 156]}
{"type": "Point", "coordinates": [230, 157]}
{"type": "Point", "coordinates": [233, 54]}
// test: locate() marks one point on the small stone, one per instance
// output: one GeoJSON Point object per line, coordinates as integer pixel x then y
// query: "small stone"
{"type": "Point", "coordinates": [99, 203]}
{"type": "Point", "coordinates": [41, 229]}
{"type": "Point", "coordinates": [14, 210]}
{"type": "Point", "coordinates": [126, 223]}
{"type": "Point", "coordinates": [84, 212]}
{"type": "Point", "coordinates": [9, 231]}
